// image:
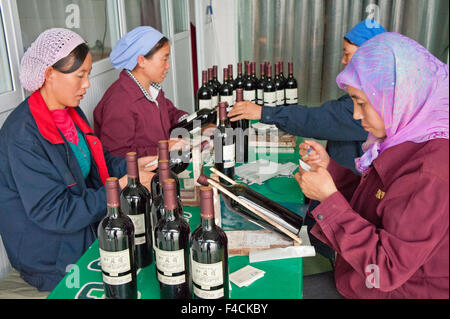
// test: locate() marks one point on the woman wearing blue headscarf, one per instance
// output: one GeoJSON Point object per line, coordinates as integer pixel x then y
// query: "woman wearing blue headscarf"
{"type": "Point", "coordinates": [134, 113]}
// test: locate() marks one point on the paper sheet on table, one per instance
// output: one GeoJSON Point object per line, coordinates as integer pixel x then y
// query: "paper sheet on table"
{"type": "Point", "coordinates": [262, 170]}
{"type": "Point", "coordinates": [304, 250]}
{"type": "Point", "coordinates": [256, 239]}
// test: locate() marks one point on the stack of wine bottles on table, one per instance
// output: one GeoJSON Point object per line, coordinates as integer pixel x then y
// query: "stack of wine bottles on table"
{"type": "Point", "coordinates": [140, 226]}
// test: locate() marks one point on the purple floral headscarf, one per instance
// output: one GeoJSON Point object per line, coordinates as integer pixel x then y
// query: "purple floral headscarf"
{"type": "Point", "coordinates": [407, 86]}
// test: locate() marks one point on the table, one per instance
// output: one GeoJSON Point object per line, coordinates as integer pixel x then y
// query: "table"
{"type": "Point", "coordinates": [282, 279]}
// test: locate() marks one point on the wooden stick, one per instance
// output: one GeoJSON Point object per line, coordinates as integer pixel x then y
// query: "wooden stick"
{"type": "Point", "coordinates": [252, 209]}
{"type": "Point", "coordinates": [225, 177]}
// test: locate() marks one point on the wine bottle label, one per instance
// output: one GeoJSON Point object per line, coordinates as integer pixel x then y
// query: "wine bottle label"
{"type": "Point", "coordinates": [270, 98]}
{"type": "Point", "coordinates": [169, 262]}
{"type": "Point", "coordinates": [171, 280]}
{"type": "Point", "coordinates": [204, 104]}
{"type": "Point", "coordinates": [191, 117]}
{"type": "Point", "coordinates": [209, 294]}
{"type": "Point", "coordinates": [228, 99]}
{"type": "Point", "coordinates": [291, 96]}
{"type": "Point", "coordinates": [280, 97]}
{"type": "Point", "coordinates": [214, 101]}
{"type": "Point", "coordinates": [139, 228]}
{"type": "Point", "coordinates": [250, 96]}
{"type": "Point", "coordinates": [207, 276]}
{"type": "Point", "coordinates": [115, 266]}
{"type": "Point", "coordinates": [229, 155]}
{"type": "Point", "coordinates": [260, 95]}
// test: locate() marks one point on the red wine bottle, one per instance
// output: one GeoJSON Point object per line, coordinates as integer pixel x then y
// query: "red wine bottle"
{"type": "Point", "coordinates": [253, 72]}
{"type": "Point", "coordinates": [155, 183]}
{"type": "Point", "coordinates": [172, 235]}
{"type": "Point", "coordinates": [204, 94]}
{"type": "Point", "coordinates": [239, 81]}
{"type": "Point", "coordinates": [214, 89]}
{"type": "Point", "coordinates": [116, 244]}
{"type": "Point", "coordinates": [241, 128]}
{"type": "Point", "coordinates": [232, 84]}
{"type": "Point", "coordinates": [281, 215]}
{"type": "Point", "coordinates": [291, 87]}
{"type": "Point", "coordinates": [209, 253]}
{"type": "Point", "coordinates": [282, 77]}
{"type": "Point", "coordinates": [135, 201]}
{"type": "Point", "coordinates": [249, 87]}
{"type": "Point", "coordinates": [179, 162]}
{"type": "Point", "coordinates": [224, 144]}
{"type": "Point", "coordinates": [226, 90]}
{"type": "Point", "coordinates": [260, 85]}
{"type": "Point", "coordinates": [215, 80]}
{"type": "Point", "coordinates": [270, 91]}
{"type": "Point", "coordinates": [196, 120]}
{"type": "Point", "coordinates": [279, 86]}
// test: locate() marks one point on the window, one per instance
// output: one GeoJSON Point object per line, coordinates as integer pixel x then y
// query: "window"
{"type": "Point", "coordinates": [96, 21]}
{"type": "Point", "coordinates": [5, 73]}
{"type": "Point", "coordinates": [180, 16]}
{"type": "Point", "coordinates": [143, 12]}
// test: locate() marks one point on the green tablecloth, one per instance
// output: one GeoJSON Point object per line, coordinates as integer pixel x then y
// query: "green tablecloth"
{"type": "Point", "coordinates": [282, 279]}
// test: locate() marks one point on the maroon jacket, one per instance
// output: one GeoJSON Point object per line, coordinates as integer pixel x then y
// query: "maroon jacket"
{"type": "Point", "coordinates": [390, 226]}
{"type": "Point", "coordinates": [126, 121]}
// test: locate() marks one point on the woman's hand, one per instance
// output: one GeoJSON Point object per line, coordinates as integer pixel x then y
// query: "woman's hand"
{"type": "Point", "coordinates": [316, 184]}
{"type": "Point", "coordinates": [318, 156]}
{"type": "Point", "coordinates": [245, 110]}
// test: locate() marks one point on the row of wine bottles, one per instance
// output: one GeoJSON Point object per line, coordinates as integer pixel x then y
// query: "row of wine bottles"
{"type": "Point", "coordinates": [139, 226]}
{"type": "Point", "coordinates": [264, 91]}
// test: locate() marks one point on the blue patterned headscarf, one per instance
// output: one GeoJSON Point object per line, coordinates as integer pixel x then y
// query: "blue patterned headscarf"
{"type": "Point", "coordinates": [364, 31]}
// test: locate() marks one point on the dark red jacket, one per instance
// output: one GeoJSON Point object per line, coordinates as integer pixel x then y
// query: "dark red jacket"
{"type": "Point", "coordinates": [390, 226]}
{"type": "Point", "coordinates": [126, 121]}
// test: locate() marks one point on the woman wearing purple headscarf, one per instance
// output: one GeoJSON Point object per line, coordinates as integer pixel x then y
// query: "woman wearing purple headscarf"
{"type": "Point", "coordinates": [390, 226]}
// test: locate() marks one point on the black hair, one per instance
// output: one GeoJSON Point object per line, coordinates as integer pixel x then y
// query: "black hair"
{"type": "Point", "coordinates": [73, 61]}
{"type": "Point", "coordinates": [157, 46]}
{"type": "Point", "coordinates": [346, 39]}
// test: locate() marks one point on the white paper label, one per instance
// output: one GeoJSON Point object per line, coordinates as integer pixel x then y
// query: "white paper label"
{"type": "Point", "coordinates": [260, 95]}
{"type": "Point", "coordinates": [209, 294]}
{"type": "Point", "coordinates": [229, 155]}
{"type": "Point", "coordinates": [207, 275]}
{"type": "Point", "coordinates": [291, 96]}
{"type": "Point", "coordinates": [115, 262]}
{"type": "Point", "coordinates": [228, 99]}
{"type": "Point", "coordinates": [176, 280]}
{"type": "Point", "coordinates": [250, 96]}
{"type": "Point", "coordinates": [214, 101]}
{"type": "Point", "coordinates": [169, 262]}
{"type": "Point", "coordinates": [204, 104]}
{"type": "Point", "coordinates": [270, 98]}
{"type": "Point", "coordinates": [117, 280]}
{"type": "Point", "coordinates": [280, 97]}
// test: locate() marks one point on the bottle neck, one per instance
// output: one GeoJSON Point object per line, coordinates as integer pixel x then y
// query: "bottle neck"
{"type": "Point", "coordinates": [208, 224]}
{"type": "Point", "coordinates": [113, 212]}
{"type": "Point", "coordinates": [133, 181]}
{"type": "Point", "coordinates": [170, 214]}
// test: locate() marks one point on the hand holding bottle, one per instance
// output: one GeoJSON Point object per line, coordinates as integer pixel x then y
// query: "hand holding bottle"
{"type": "Point", "coordinates": [245, 110]}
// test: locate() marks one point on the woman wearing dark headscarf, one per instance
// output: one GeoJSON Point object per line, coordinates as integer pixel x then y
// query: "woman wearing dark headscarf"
{"type": "Point", "coordinates": [52, 167]}
{"type": "Point", "coordinates": [390, 226]}
{"type": "Point", "coordinates": [134, 114]}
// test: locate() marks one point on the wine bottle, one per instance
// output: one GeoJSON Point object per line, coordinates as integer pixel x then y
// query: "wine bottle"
{"type": "Point", "coordinates": [272, 210]}
{"type": "Point", "coordinates": [279, 86]}
{"type": "Point", "coordinates": [204, 94]}
{"type": "Point", "coordinates": [215, 80]}
{"type": "Point", "coordinates": [214, 89]}
{"type": "Point", "coordinates": [233, 86]}
{"type": "Point", "coordinates": [196, 120]}
{"type": "Point", "coordinates": [135, 201]}
{"type": "Point", "coordinates": [209, 253]}
{"type": "Point", "coordinates": [270, 91]}
{"type": "Point", "coordinates": [282, 77]}
{"type": "Point", "coordinates": [239, 82]}
{"type": "Point", "coordinates": [116, 245]}
{"type": "Point", "coordinates": [226, 90]}
{"type": "Point", "coordinates": [291, 87]}
{"type": "Point", "coordinates": [224, 144]}
{"type": "Point", "coordinates": [179, 162]}
{"type": "Point", "coordinates": [155, 183]}
{"type": "Point", "coordinates": [172, 236]}
{"type": "Point", "coordinates": [253, 72]}
{"type": "Point", "coordinates": [260, 85]}
{"type": "Point", "coordinates": [241, 132]}
{"type": "Point", "coordinates": [249, 87]}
